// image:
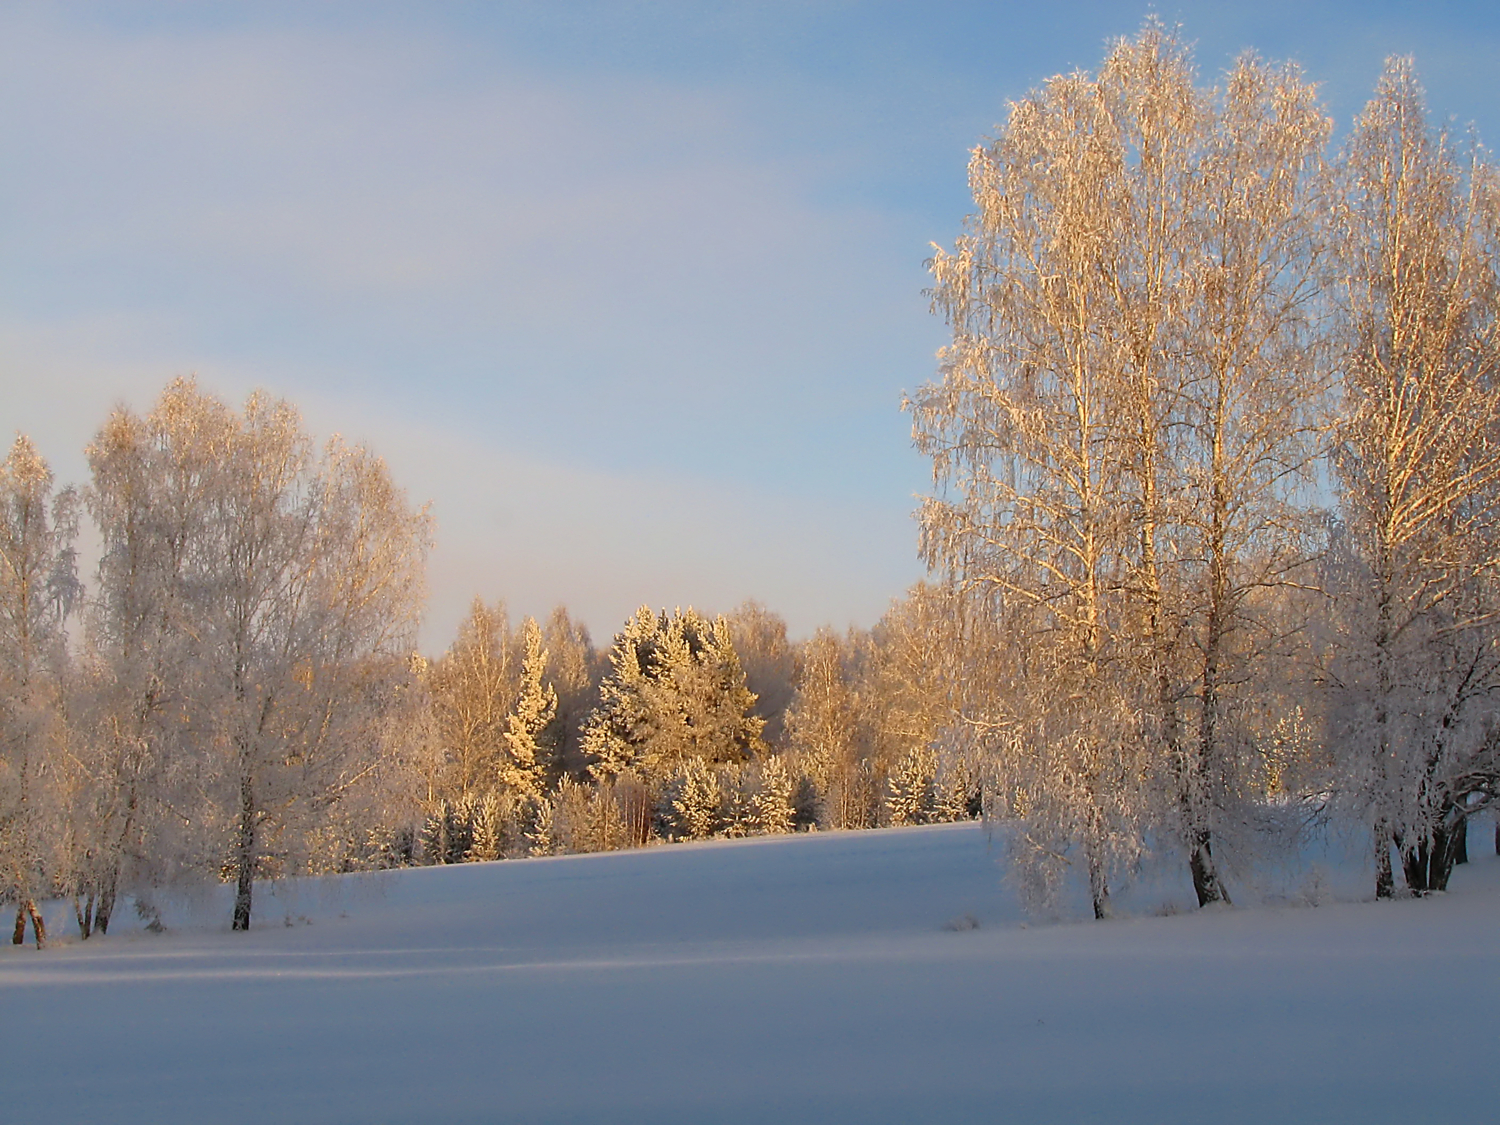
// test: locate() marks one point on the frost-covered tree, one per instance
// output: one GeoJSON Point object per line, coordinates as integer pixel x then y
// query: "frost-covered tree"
{"type": "Point", "coordinates": [1419, 480]}
{"type": "Point", "coordinates": [675, 692]}
{"type": "Point", "coordinates": [38, 589]}
{"type": "Point", "coordinates": [824, 731]}
{"type": "Point", "coordinates": [530, 737]}
{"type": "Point", "coordinates": [293, 581]}
{"type": "Point", "coordinates": [911, 789]}
{"type": "Point", "coordinates": [770, 663]}
{"type": "Point", "coordinates": [1036, 428]}
{"type": "Point", "coordinates": [771, 809]}
{"type": "Point", "coordinates": [1253, 405]}
{"type": "Point", "coordinates": [154, 482]}
{"type": "Point", "coordinates": [572, 671]}
{"type": "Point", "coordinates": [1124, 420]}
{"type": "Point", "coordinates": [695, 799]}
{"type": "Point", "coordinates": [474, 688]}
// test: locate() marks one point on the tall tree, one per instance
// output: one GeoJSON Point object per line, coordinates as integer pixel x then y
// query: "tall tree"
{"type": "Point", "coordinates": [150, 494]}
{"type": "Point", "coordinates": [823, 730]}
{"type": "Point", "coordinates": [770, 664]}
{"type": "Point", "coordinates": [1124, 419]}
{"type": "Point", "coordinates": [1419, 479]}
{"type": "Point", "coordinates": [474, 687]}
{"type": "Point", "coordinates": [530, 736]}
{"type": "Point", "coordinates": [38, 589]}
{"type": "Point", "coordinates": [294, 581]}
{"type": "Point", "coordinates": [1046, 426]}
{"type": "Point", "coordinates": [1253, 402]}
{"type": "Point", "coordinates": [573, 673]}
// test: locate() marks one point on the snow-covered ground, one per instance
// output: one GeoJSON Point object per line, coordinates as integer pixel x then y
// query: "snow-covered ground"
{"type": "Point", "coordinates": [824, 978]}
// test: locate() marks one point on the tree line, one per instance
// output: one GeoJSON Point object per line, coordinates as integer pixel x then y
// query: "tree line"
{"type": "Point", "coordinates": [235, 693]}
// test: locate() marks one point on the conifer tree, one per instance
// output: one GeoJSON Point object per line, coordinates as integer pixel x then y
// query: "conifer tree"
{"type": "Point", "coordinates": [675, 692]}
{"type": "Point", "coordinates": [530, 737]}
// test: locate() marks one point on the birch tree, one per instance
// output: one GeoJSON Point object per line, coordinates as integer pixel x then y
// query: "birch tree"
{"type": "Point", "coordinates": [573, 674]}
{"type": "Point", "coordinates": [38, 589]}
{"type": "Point", "coordinates": [293, 581]}
{"type": "Point", "coordinates": [474, 687]}
{"type": "Point", "coordinates": [1047, 423]}
{"type": "Point", "coordinates": [1253, 416]}
{"type": "Point", "coordinates": [824, 732]}
{"type": "Point", "coordinates": [152, 480]}
{"type": "Point", "coordinates": [1124, 420]}
{"type": "Point", "coordinates": [1419, 479]}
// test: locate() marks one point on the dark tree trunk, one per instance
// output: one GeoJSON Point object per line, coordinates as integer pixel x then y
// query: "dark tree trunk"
{"type": "Point", "coordinates": [1429, 864]}
{"type": "Point", "coordinates": [106, 906]}
{"type": "Point", "coordinates": [1099, 889]}
{"type": "Point", "coordinates": [1414, 866]}
{"type": "Point", "coordinates": [24, 910]}
{"type": "Point", "coordinates": [1447, 846]}
{"type": "Point", "coordinates": [1385, 879]}
{"type": "Point", "coordinates": [1206, 882]}
{"type": "Point", "coordinates": [83, 910]}
{"type": "Point", "coordinates": [244, 859]}
{"type": "Point", "coordinates": [244, 887]}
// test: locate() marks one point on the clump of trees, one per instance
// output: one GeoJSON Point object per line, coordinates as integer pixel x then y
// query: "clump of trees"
{"type": "Point", "coordinates": [243, 663]}
{"type": "Point", "coordinates": [1214, 443]}
{"type": "Point", "coordinates": [675, 744]}
{"type": "Point", "coordinates": [1216, 537]}
{"type": "Point", "coordinates": [234, 694]}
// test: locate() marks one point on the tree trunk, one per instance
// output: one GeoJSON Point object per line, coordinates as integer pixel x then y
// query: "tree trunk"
{"type": "Point", "coordinates": [1098, 881]}
{"type": "Point", "coordinates": [1414, 866]}
{"type": "Point", "coordinates": [25, 909]}
{"type": "Point", "coordinates": [1206, 882]}
{"type": "Point", "coordinates": [1385, 879]}
{"type": "Point", "coordinates": [244, 859]}
{"type": "Point", "coordinates": [1447, 846]}
{"type": "Point", "coordinates": [83, 910]}
{"type": "Point", "coordinates": [106, 906]}
{"type": "Point", "coordinates": [1099, 891]}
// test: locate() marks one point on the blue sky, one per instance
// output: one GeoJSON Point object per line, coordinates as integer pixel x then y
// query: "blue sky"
{"type": "Point", "coordinates": [629, 291]}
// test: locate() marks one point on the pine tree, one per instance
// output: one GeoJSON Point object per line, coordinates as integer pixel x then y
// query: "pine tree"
{"type": "Point", "coordinates": [675, 692]}
{"type": "Point", "coordinates": [694, 798]}
{"type": "Point", "coordinates": [911, 794]}
{"type": "Point", "coordinates": [771, 809]}
{"type": "Point", "coordinates": [530, 737]}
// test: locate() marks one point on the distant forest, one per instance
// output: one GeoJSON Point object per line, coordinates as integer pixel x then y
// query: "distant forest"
{"type": "Point", "coordinates": [1214, 545]}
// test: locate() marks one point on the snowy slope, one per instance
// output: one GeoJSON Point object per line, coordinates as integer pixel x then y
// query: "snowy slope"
{"type": "Point", "coordinates": [795, 979]}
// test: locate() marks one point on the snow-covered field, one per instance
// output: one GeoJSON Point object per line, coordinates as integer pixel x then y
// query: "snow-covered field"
{"type": "Point", "coordinates": [824, 978]}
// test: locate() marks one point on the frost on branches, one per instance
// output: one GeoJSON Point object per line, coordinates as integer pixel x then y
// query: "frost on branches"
{"type": "Point", "coordinates": [675, 694]}
{"type": "Point", "coordinates": [1418, 468]}
{"type": "Point", "coordinates": [261, 596]}
{"type": "Point", "coordinates": [1124, 437]}
{"type": "Point", "coordinates": [38, 589]}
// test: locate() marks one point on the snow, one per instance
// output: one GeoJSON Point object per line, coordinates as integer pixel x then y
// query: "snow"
{"type": "Point", "coordinates": [827, 978]}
